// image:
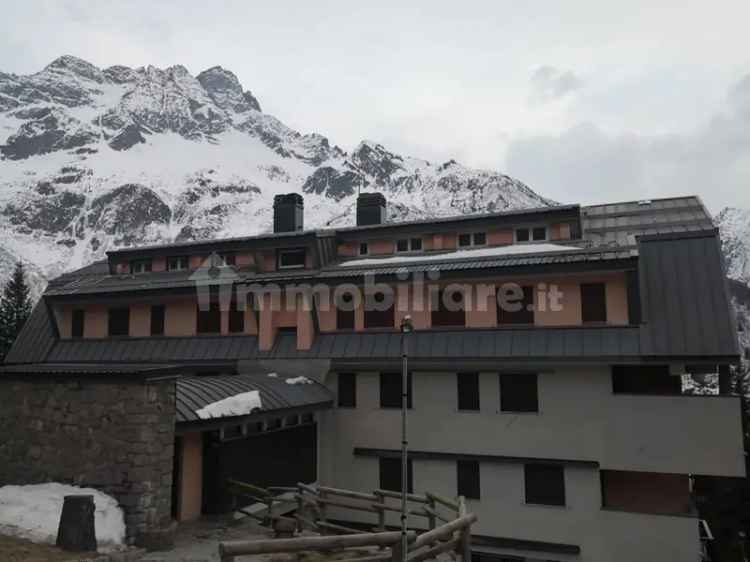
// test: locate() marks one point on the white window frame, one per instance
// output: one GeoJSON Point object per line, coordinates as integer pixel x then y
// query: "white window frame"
{"type": "Point", "coordinates": [409, 245]}
{"type": "Point", "coordinates": [185, 260]}
{"type": "Point", "coordinates": [472, 239]}
{"type": "Point", "coordinates": [290, 250]}
{"type": "Point", "coordinates": [139, 266]}
{"type": "Point", "coordinates": [530, 230]}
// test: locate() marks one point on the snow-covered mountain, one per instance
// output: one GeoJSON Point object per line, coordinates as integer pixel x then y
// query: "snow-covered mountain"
{"type": "Point", "coordinates": [92, 159]}
{"type": "Point", "coordinates": [734, 225]}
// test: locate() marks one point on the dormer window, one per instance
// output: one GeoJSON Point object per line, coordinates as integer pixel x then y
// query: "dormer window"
{"type": "Point", "coordinates": [140, 266]}
{"type": "Point", "coordinates": [291, 259]}
{"type": "Point", "coordinates": [536, 234]}
{"type": "Point", "coordinates": [469, 239]}
{"type": "Point", "coordinates": [409, 245]}
{"type": "Point", "coordinates": [177, 263]}
{"type": "Point", "coordinates": [363, 249]}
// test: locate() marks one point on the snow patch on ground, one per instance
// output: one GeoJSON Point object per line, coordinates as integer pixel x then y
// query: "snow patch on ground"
{"type": "Point", "coordinates": [520, 249]}
{"type": "Point", "coordinates": [298, 380]}
{"type": "Point", "coordinates": [33, 513]}
{"type": "Point", "coordinates": [238, 405]}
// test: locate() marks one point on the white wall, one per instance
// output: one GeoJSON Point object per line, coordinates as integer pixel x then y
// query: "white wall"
{"type": "Point", "coordinates": [579, 419]}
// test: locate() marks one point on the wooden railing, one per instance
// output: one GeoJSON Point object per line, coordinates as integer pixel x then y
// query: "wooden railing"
{"type": "Point", "coordinates": [452, 534]}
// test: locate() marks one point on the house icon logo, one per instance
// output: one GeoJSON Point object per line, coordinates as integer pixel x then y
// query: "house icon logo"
{"type": "Point", "coordinates": [214, 281]}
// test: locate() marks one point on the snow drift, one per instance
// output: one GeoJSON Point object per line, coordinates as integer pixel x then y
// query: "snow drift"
{"type": "Point", "coordinates": [33, 513]}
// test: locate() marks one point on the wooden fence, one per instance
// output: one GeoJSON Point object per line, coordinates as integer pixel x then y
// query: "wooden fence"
{"type": "Point", "coordinates": [448, 525]}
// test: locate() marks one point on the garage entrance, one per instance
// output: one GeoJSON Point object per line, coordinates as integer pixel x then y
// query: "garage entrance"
{"type": "Point", "coordinates": [276, 458]}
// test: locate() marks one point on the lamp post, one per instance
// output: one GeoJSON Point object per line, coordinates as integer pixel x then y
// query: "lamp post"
{"type": "Point", "coordinates": [406, 328]}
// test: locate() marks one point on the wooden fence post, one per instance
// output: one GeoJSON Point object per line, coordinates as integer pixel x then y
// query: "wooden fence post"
{"type": "Point", "coordinates": [432, 519]}
{"type": "Point", "coordinates": [464, 546]}
{"type": "Point", "coordinates": [381, 512]}
{"type": "Point", "coordinates": [323, 509]}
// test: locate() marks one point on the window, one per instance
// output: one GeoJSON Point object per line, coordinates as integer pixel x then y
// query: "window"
{"type": "Point", "coordinates": [157, 319]}
{"type": "Point", "coordinates": [545, 484]}
{"type": "Point", "coordinates": [118, 321]}
{"type": "Point", "coordinates": [140, 266]}
{"type": "Point", "coordinates": [519, 393]}
{"type": "Point", "coordinates": [347, 391]}
{"type": "Point", "coordinates": [209, 321]}
{"type": "Point", "coordinates": [645, 379]}
{"type": "Point", "coordinates": [227, 258]}
{"type": "Point", "coordinates": [522, 235]}
{"type": "Point", "coordinates": [291, 259]}
{"type": "Point", "coordinates": [448, 310]}
{"type": "Point", "coordinates": [515, 310]}
{"type": "Point", "coordinates": [236, 317]}
{"type": "Point", "coordinates": [468, 478]}
{"type": "Point", "coordinates": [78, 323]}
{"type": "Point", "coordinates": [390, 390]}
{"type": "Point", "coordinates": [177, 263]}
{"type": "Point", "coordinates": [539, 233]}
{"type": "Point", "coordinates": [363, 249]}
{"type": "Point", "coordinates": [345, 312]}
{"type": "Point", "coordinates": [409, 245]}
{"type": "Point", "coordinates": [472, 239]}
{"type": "Point", "coordinates": [390, 475]}
{"type": "Point", "coordinates": [593, 302]}
{"type": "Point", "coordinates": [468, 391]}
{"type": "Point", "coordinates": [379, 310]}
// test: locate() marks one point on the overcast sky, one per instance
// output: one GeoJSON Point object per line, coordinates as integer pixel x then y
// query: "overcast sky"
{"type": "Point", "coordinates": [584, 101]}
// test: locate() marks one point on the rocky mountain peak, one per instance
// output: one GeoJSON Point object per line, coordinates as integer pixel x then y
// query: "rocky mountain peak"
{"type": "Point", "coordinates": [93, 159]}
{"type": "Point", "coordinates": [734, 227]}
{"type": "Point", "coordinates": [77, 67]}
{"type": "Point", "coordinates": [225, 89]}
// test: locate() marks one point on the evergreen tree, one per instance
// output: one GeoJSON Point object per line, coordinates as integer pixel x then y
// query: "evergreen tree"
{"type": "Point", "coordinates": [15, 308]}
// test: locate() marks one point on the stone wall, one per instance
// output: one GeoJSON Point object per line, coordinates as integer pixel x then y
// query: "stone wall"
{"type": "Point", "coordinates": [115, 436]}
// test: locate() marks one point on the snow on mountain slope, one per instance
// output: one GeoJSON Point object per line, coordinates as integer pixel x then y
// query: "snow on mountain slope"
{"type": "Point", "coordinates": [93, 159]}
{"type": "Point", "coordinates": [734, 226]}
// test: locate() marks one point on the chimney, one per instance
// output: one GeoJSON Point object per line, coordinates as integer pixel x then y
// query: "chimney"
{"type": "Point", "coordinates": [288, 212]}
{"type": "Point", "coordinates": [370, 209]}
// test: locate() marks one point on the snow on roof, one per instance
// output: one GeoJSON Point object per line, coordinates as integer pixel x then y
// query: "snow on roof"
{"type": "Point", "coordinates": [298, 380]}
{"type": "Point", "coordinates": [516, 249]}
{"type": "Point", "coordinates": [238, 405]}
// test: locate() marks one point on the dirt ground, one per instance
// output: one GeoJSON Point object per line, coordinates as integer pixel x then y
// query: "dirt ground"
{"type": "Point", "coordinates": [18, 550]}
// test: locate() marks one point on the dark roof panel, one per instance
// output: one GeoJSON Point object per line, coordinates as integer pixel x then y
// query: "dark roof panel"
{"type": "Point", "coordinates": [277, 392]}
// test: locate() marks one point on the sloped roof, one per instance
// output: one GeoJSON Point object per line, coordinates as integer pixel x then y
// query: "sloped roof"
{"type": "Point", "coordinates": [37, 337]}
{"type": "Point", "coordinates": [276, 391]}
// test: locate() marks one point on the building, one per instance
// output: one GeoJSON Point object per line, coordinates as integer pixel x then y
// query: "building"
{"type": "Point", "coordinates": [544, 372]}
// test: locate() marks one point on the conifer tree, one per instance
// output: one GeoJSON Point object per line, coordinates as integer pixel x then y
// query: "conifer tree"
{"type": "Point", "coordinates": [15, 308]}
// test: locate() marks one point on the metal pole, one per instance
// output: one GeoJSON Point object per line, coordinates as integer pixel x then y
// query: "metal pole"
{"type": "Point", "coordinates": [405, 329]}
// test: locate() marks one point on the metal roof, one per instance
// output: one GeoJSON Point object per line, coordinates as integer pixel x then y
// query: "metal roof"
{"type": "Point", "coordinates": [194, 393]}
{"type": "Point", "coordinates": [103, 368]}
{"type": "Point", "coordinates": [156, 349]}
{"type": "Point", "coordinates": [37, 337]}
{"type": "Point", "coordinates": [685, 296]}
{"type": "Point", "coordinates": [617, 224]}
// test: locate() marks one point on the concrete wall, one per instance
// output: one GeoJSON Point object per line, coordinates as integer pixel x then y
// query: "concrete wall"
{"type": "Point", "coordinates": [117, 437]}
{"type": "Point", "coordinates": [579, 419]}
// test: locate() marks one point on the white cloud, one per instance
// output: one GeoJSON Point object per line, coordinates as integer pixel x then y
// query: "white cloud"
{"type": "Point", "coordinates": [585, 163]}
{"type": "Point", "coordinates": [548, 83]}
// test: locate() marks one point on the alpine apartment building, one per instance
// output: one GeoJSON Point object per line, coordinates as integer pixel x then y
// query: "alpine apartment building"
{"type": "Point", "coordinates": [545, 364]}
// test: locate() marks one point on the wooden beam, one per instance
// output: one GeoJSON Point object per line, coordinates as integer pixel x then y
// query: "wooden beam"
{"type": "Point", "coordinates": [270, 546]}
{"type": "Point", "coordinates": [438, 533]}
